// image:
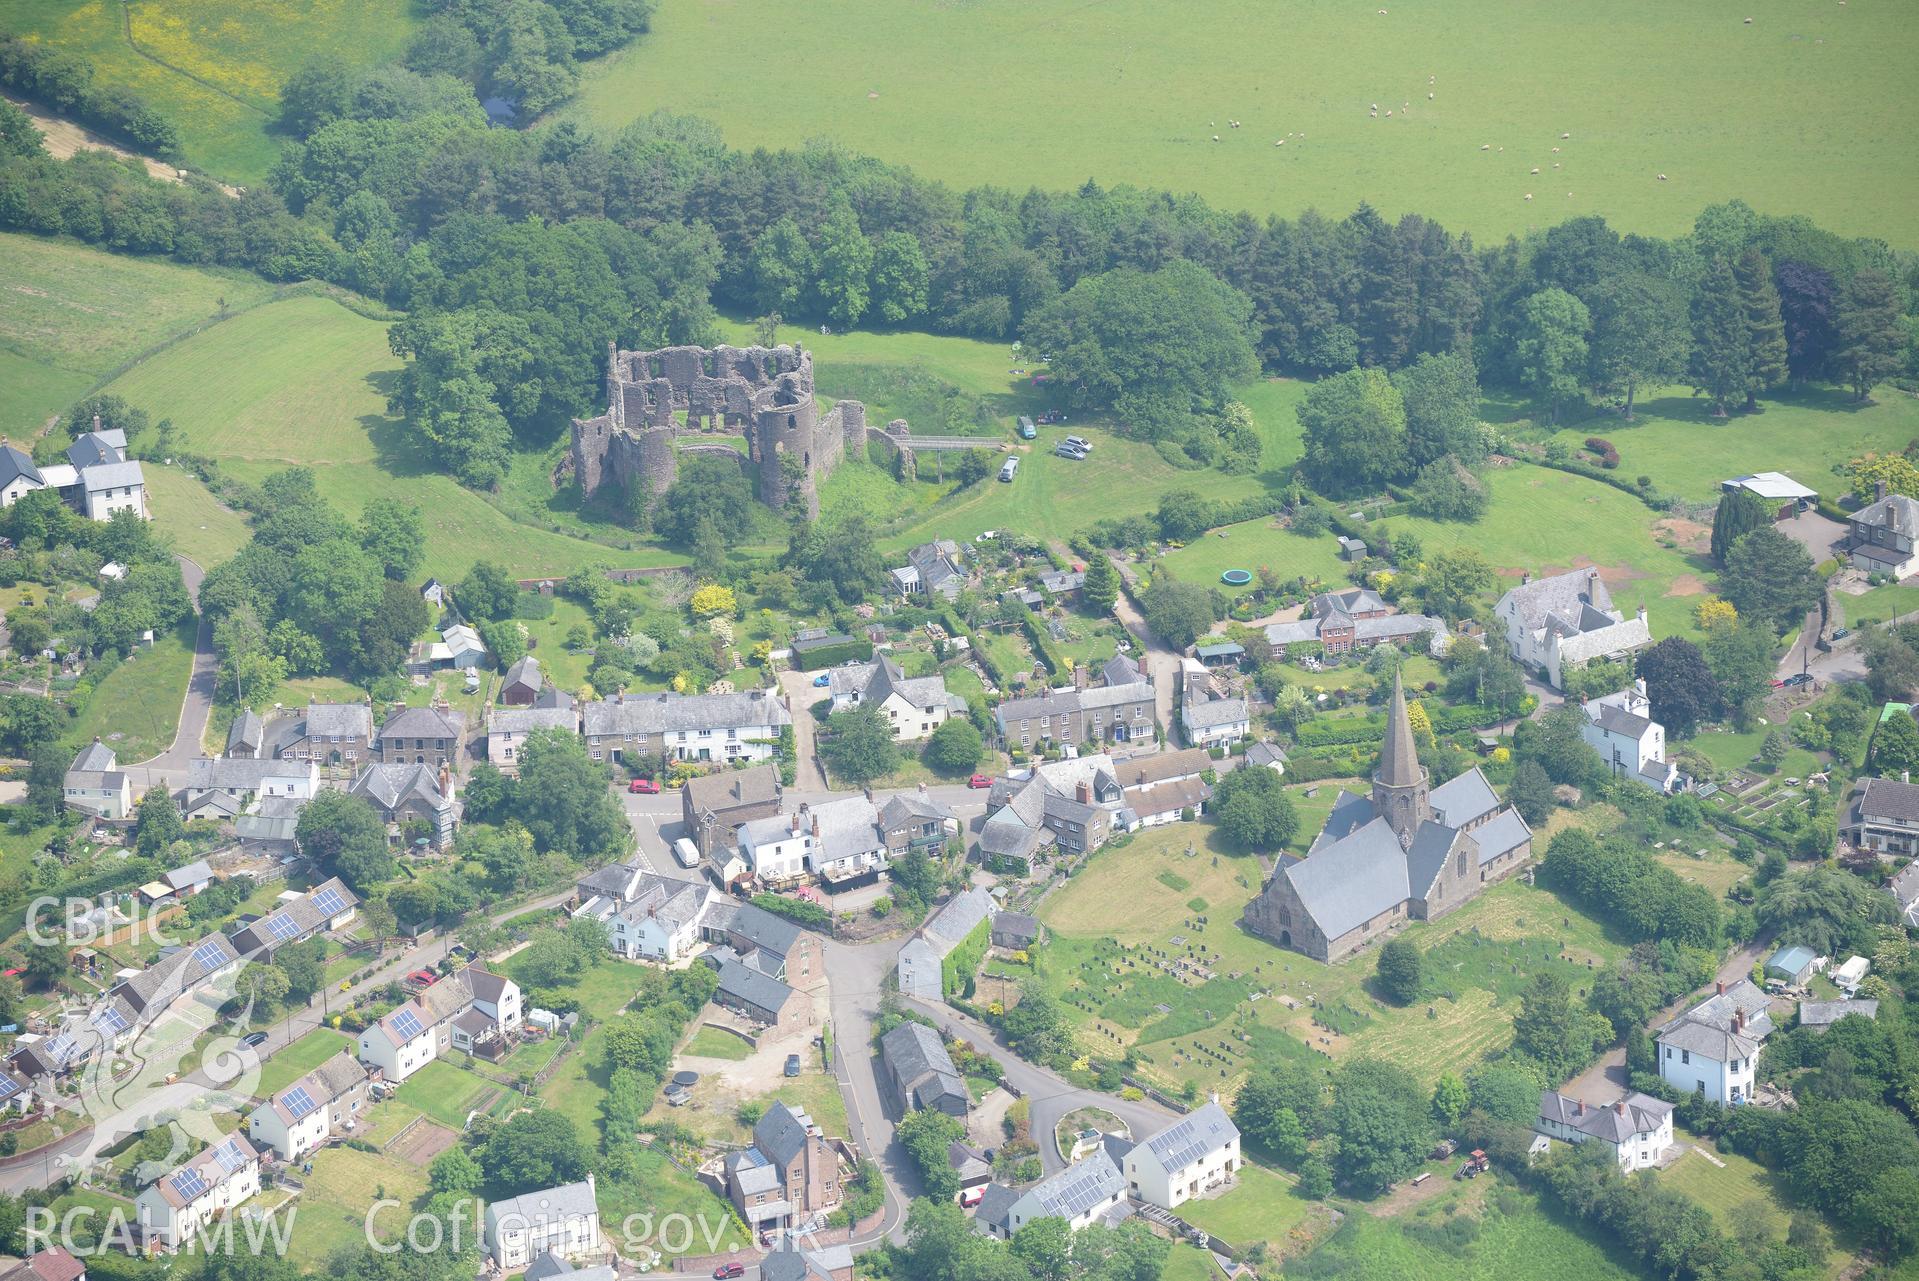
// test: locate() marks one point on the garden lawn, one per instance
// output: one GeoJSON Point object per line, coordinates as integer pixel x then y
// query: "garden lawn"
{"type": "Point", "coordinates": [707, 1225]}
{"type": "Point", "coordinates": [1550, 521]}
{"type": "Point", "coordinates": [303, 381]}
{"type": "Point", "coordinates": [1053, 93]}
{"type": "Point", "coordinates": [1676, 440]}
{"type": "Point", "coordinates": [203, 529]}
{"type": "Point", "coordinates": [296, 1060]}
{"type": "Point", "coordinates": [711, 1043]}
{"type": "Point", "coordinates": [1729, 751]}
{"type": "Point", "coordinates": [1251, 545]}
{"type": "Point", "coordinates": [136, 708]}
{"type": "Point", "coordinates": [1741, 1194]}
{"type": "Point", "coordinates": [1211, 1023]}
{"type": "Point", "coordinates": [1879, 605]}
{"type": "Point", "coordinates": [1261, 1207]}
{"type": "Point", "coordinates": [332, 1211]}
{"type": "Point", "coordinates": [69, 315]}
{"type": "Point", "coordinates": [605, 989]}
{"type": "Point", "coordinates": [447, 1093]}
{"type": "Point", "coordinates": [215, 67]}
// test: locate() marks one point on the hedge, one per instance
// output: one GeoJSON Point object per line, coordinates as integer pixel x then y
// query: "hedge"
{"type": "Point", "coordinates": [811, 915]}
{"type": "Point", "coordinates": [1345, 730]}
{"type": "Point", "coordinates": [1651, 497]}
{"type": "Point", "coordinates": [1043, 645]}
{"type": "Point", "coordinates": [812, 660]}
{"type": "Point", "coordinates": [957, 970]}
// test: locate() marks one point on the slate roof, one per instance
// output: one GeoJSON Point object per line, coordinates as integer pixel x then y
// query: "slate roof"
{"type": "Point", "coordinates": [194, 873]}
{"type": "Point", "coordinates": [1120, 670]}
{"type": "Point", "coordinates": [14, 463]}
{"type": "Point", "coordinates": [1895, 511]}
{"type": "Point", "coordinates": [734, 788]}
{"type": "Point", "coordinates": [1567, 597]}
{"type": "Point", "coordinates": [323, 1084]}
{"type": "Point", "coordinates": [1882, 798]}
{"type": "Point", "coordinates": [1617, 720]}
{"type": "Point", "coordinates": [1426, 857]}
{"type": "Point", "coordinates": [919, 970]}
{"type": "Point", "coordinates": [1004, 834]}
{"type": "Point", "coordinates": [1461, 799]}
{"type": "Point", "coordinates": [1500, 833]}
{"type": "Point", "coordinates": [1641, 1114]}
{"type": "Point", "coordinates": [996, 1203]}
{"type": "Point", "coordinates": [781, 1133]}
{"type": "Point", "coordinates": [1353, 879]}
{"type": "Point", "coordinates": [388, 786]}
{"type": "Point", "coordinates": [763, 929]}
{"type": "Point", "coordinates": [524, 720]}
{"type": "Point", "coordinates": [918, 1060]}
{"type": "Point", "coordinates": [95, 758]}
{"type": "Point", "coordinates": [247, 733]}
{"type": "Point", "coordinates": [790, 1263]}
{"type": "Point", "coordinates": [1203, 1131]}
{"type": "Point", "coordinates": [239, 773]}
{"type": "Point", "coordinates": [878, 680]}
{"type": "Point", "coordinates": [1016, 925]}
{"type": "Point", "coordinates": [1265, 754]}
{"type": "Point", "coordinates": [339, 720]}
{"type": "Point", "coordinates": [547, 1206]}
{"type": "Point", "coordinates": [92, 449]}
{"type": "Point", "coordinates": [908, 807]}
{"type": "Point", "coordinates": [1213, 712]}
{"type": "Point", "coordinates": [634, 714]}
{"type": "Point", "coordinates": [424, 722]}
{"type": "Point", "coordinates": [749, 986]}
{"type": "Point", "coordinates": [1707, 1028]}
{"type": "Point", "coordinates": [949, 926]}
{"type": "Point", "coordinates": [525, 672]}
{"type": "Point", "coordinates": [1060, 702]}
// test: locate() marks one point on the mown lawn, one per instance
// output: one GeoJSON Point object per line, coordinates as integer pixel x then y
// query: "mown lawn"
{"type": "Point", "coordinates": [1050, 94]}
{"type": "Point", "coordinates": [711, 1043]}
{"type": "Point", "coordinates": [136, 708]}
{"type": "Point", "coordinates": [215, 67]}
{"type": "Point", "coordinates": [202, 528]}
{"type": "Point", "coordinates": [1261, 1208]}
{"type": "Point", "coordinates": [296, 1060]}
{"type": "Point", "coordinates": [1740, 1193]}
{"type": "Point", "coordinates": [446, 1093]}
{"type": "Point", "coordinates": [332, 1212]}
{"type": "Point", "coordinates": [1252, 545]}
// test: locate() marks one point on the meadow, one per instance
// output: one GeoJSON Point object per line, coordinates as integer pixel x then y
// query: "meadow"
{"type": "Point", "coordinates": [215, 67]}
{"type": "Point", "coordinates": [72, 315]}
{"type": "Point", "coordinates": [1230, 1000]}
{"type": "Point", "coordinates": [135, 709]}
{"type": "Point", "coordinates": [1050, 94]}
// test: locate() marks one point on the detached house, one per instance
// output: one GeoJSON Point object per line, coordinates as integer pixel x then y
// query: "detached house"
{"type": "Point", "coordinates": [1884, 818]}
{"type": "Point", "coordinates": [914, 706]}
{"type": "Point", "coordinates": [472, 1010]}
{"type": "Point", "coordinates": [97, 480]}
{"type": "Point", "coordinates": [177, 1205]}
{"type": "Point", "coordinates": [320, 1105]}
{"type": "Point", "coordinates": [400, 794]}
{"type": "Point", "coordinates": [920, 1073]}
{"type": "Point", "coordinates": [647, 917]}
{"type": "Point", "coordinates": [930, 568]}
{"type": "Point", "coordinates": [1638, 1128]}
{"type": "Point", "coordinates": [1356, 618]}
{"type": "Point", "coordinates": [686, 727]}
{"type": "Point", "coordinates": [563, 1222]}
{"type": "Point", "coordinates": [1881, 538]}
{"type": "Point", "coordinates": [789, 1176]}
{"type": "Point", "coordinates": [1632, 744]}
{"type": "Point", "coordinates": [1208, 718]}
{"type": "Point", "coordinates": [1082, 1194]}
{"type": "Point", "coordinates": [1713, 1048]}
{"type": "Point", "coordinates": [713, 806]}
{"type": "Point", "coordinates": [1560, 623]}
{"type": "Point", "coordinates": [95, 784]}
{"type": "Point", "coordinates": [1192, 1156]}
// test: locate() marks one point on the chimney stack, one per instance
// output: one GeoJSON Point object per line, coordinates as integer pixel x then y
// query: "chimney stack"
{"type": "Point", "coordinates": [1579, 1107]}
{"type": "Point", "coordinates": [1738, 1020]}
{"type": "Point", "coordinates": [1620, 1107]}
{"type": "Point", "coordinates": [1083, 792]}
{"type": "Point", "coordinates": [1720, 987]}
{"type": "Point", "coordinates": [1879, 490]}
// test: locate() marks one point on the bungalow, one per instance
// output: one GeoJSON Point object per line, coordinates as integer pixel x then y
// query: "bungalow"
{"type": "Point", "coordinates": [562, 1221]}
{"type": "Point", "coordinates": [1192, 1156]}
{"type": "Point", "coordinates": [1082, 1194]}
{"type": "Point", "coordinates": [1638, 1128]}
{"type": "Point", "coordinates": [421, 736]}
{"type": "Point", "coordinates": [177, 1205]}
{"type": "Point", "coordinates": [920, 1073]}
{"type": "Point", "coordinates": [298, 917]}
{"type": "Point", "coordinates": [1563, 622]}
{"type": "Point", "coordinates": [95, 784]}
{"type": "Point", "coordinates": [914, 706]}
{"type": "Point", "coordinates": [687, 727]}
{"type": "Point", "coordinates": [324, 1103]}
{"type": "Point", "coordinates": [1713, 1048]}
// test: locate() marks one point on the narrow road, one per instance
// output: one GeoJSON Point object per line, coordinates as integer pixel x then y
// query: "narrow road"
{"type": "Point", "coordinates": [1161, 662]}
{"type": "Point", "coordinates": [801, 694]}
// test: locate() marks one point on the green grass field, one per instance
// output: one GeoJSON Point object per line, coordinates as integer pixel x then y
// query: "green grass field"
{"type": "Point", "coordinates": [1677, 442]}
{"type": "Point", "coordinates": [1523, 1242]}
{"type": "Point", "coordinates": [1048, 94]}
{"type": "Point", "coordinates": [446, 1093]}
{"type": "Point", "coordinates": [1258, 1003]}
{"type": "Point", "coordinates": [304, 381]}
{"type": "Point", "coordinates": [332, 1211]}
{"type": "Point", "coordinates": [1250, 545]}
{"type": "Point", "coordinates": [296, 1060]}
{"type": "Point", "coordinates": [711, 1043]}
{"type": "Point", "coordinates": [136, 709]}
{"type": "Point", "coordinates": [1261, 1208]}
{"type": "Point", "coordinates": [72, 315]}
{"type": "Point", "coordinates": [215, 67]}
{"type": "Point", "coordinates": [203, 529]}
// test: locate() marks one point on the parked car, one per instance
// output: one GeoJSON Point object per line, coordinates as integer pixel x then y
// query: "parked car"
{"type": "Point", "coordinates": [792, 1065]}
{"type": "Point", "coordinates": [1840, 633]}
{"type": "Point", "coordinates": [645, 785]}
{"type": "Point", "coordinates": [822, 680]}
{"type": "Point", "coordinates": [1797, 678]}
{"type": "Point", "coordinates": [726, 1270]}
{"type": "Point", "coordinates": [425, 978]}
{"type": "Point", "coordinates": [254, 1040]}
{"type": "Point", "coordinates": [1080, 443]}
{"type": "Point", "coordinates": [979, 781]}
{"type": "Point", "coordinates": [972, 1197]}
{"type": "Point", "coordinates": [1026, 429]}
{"type": "Point", "coordinates": [1778, 684]}
{"type": "Point", "coordinates": [1065, 450]}
{"type": "Point", "coordinates": [1009, 469]}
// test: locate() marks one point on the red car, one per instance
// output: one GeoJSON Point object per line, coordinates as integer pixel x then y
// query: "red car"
{"type": "Point", "coordinates": [729, 1270]}
{"type": "Point", "coordinates": [425, 978]}
{"type": "Point", "coordinates": [978, 781]}
{"type": "Point", "coordinates": [646, 785]}
{"type": "Point", "coordinates": [972, 1197]}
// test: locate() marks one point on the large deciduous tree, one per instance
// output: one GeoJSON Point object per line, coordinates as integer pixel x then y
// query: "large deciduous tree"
{"type": "Point", "coordinates": [1441, 395]}
{"type": "Point", "coordinates": [1639, 335]}
{"type": "Point", "coordinates": [1549, 349]}
{"type": "Point", "coordinates": [342, 833]}
{"type": "Point", "coordinates": [1355, 431]}
{"type": "Point", "coordinates": [1769, 577]}
{"type": "Point", "coordinates": [1679, 685]}
{"type": "Point", "coordinates": [1254, 811]}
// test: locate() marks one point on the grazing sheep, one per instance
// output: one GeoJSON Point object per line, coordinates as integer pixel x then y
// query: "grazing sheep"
{"type": "Point", "coordinates": [1429, 97]}
{"type": "Point", "coordinates": [1662, 177]}
{"type": "Point", "coordinates": [1555, 151]}
{"type": "Point", "coordinates": [1555, 164]}
{"type": "Point", "coordinates": [1389, 113]}
{"type": "Point", "coordinates": [1280, 143]}
{"type": "Point", "coordinates": [1485, 146]}
{"type": "Point", "coordinates": [1749, 22]}
{"type": "Point", "coordinates": [1529, 195]}
{"type": "Point", "coordinates": [1565, 135]}
{"type": "Point", "coordinates": [1535, 168]}
{"type": "Point", "coordinates": [1215, 137]}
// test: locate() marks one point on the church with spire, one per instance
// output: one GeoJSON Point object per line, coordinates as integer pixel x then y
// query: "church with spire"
{"type": "Point", "coordinates": [1405, 852]}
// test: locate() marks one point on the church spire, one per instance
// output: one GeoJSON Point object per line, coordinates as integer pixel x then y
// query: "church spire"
{"type": "Point", "coordinates": [1399, 757]}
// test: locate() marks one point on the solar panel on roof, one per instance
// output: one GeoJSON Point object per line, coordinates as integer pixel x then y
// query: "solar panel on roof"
{"type": "Point", "coordinates": [407, 1024]}
{"type": "Point", "coordinates": [8, 1087]}
{"type": "Point", "coordinates": [329, 902]}
{"type": "Point", "coordinates": [110, 1020]}
{"type": "Point", "coordinates": [210, 955]}
{"type": "Point", "coordinates": [298, 1102]}
{"type": "Point", "coordinates": [228, 1155]}
{"type": "Point", "coordinates": [281, 926]}
{"type": "Point", "coordinates": [189, 1185]}
{"type": "Point", "coordinates": [60, 1048]}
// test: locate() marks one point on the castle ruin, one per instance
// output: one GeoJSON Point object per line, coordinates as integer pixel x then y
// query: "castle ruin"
{"type": "Point", "coordinates": [656, 400]}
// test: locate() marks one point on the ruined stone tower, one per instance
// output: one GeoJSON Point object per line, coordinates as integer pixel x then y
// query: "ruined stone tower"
{"type": "Point", "coordinates": [661, 404]}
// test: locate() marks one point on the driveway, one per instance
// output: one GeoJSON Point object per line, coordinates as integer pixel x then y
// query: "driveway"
{"type": "Point", "coordinates": [1815, 533]}
{"type": "Point", "coordinates": [801, 694]}
{"type": "Point", "coordinates": [196, 708]}
{"type": "Point", "coordinates": [1159, 660]}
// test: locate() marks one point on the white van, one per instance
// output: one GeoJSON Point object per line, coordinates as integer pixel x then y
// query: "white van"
{"type": "Point", "coordinates": [1009, 469]}
{"type": "Point", "coordinates": [686, 852]}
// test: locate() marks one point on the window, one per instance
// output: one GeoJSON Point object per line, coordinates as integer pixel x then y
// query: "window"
{"type": "Point", "coordinates": [1685, 1056]}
